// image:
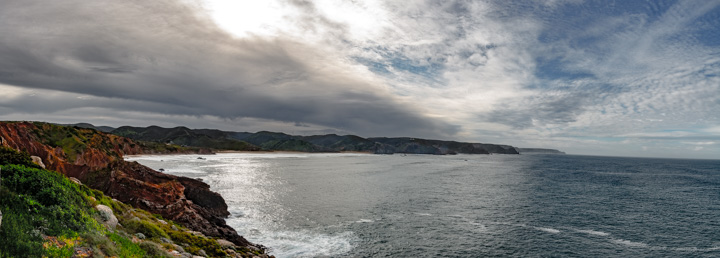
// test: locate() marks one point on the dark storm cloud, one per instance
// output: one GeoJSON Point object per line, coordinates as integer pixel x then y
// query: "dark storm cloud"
{"type": "Point", "coordinates": [166, 57]}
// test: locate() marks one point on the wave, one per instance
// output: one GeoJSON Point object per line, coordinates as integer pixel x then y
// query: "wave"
{"type": "Point", "coordinates": [549, 230]}
{"type": "Point", "coordinates": [592, 232]}
{"type": "Point", "coordinates": [306, 243]}
{"type": "Point", "coordinates": [629, 243]}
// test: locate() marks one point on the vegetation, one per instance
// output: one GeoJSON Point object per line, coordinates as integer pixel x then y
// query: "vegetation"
{"type": "Point", "coordinates": [47, 215]}
{"type": "Point", "coordinates": [37, 203]}
{"type": "Point", "coordinates": [202, 138]}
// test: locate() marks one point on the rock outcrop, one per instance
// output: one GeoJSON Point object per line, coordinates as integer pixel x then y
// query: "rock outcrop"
{"type": "Point", "coordinates": [95, 159]}
{"type": "Point", "coordinates": [37, 160]}
{"type": "Point", "coordinates": [107, 216]}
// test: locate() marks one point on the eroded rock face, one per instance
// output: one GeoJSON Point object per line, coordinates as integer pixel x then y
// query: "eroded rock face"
{"type": "Point", "coordinates": [100, 165]}
{"type": "Point", "coordinates": [170, 196]}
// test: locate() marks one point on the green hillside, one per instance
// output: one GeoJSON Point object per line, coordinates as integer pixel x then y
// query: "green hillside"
{"type": "Point", "coordinates": [45, 214]}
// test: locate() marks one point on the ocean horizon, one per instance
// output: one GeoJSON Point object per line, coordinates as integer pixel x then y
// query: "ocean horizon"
{"type": "Point", "coordinates": [364, 205]}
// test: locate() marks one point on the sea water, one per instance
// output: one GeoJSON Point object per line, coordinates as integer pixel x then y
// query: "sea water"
{"type": "Point", "coordinates": [358, 205]}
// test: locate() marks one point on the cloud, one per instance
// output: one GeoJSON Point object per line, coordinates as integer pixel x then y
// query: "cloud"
{"type": "Point", "coordinates": [543, 74]}
{"type": "Point", "coordinates": [169, 58]}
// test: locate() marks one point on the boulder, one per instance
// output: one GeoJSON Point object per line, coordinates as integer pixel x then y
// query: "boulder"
{"type": "Point", "coordinates": [75, 180]}
{"type": "Point", "coordinates": [202, 253]}
{"type": "Point", "coordinates": [224, 243]}
{"type": "Point", "coordinates": [107, 216]}
{"type": "Point", "coordinates": [178, 248]}
{"type": "Point", "coordinates": [196, 233]}
{"type": "Point", "coordinates": [37, 160]}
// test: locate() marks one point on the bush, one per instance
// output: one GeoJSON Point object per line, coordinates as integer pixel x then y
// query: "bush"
{"type": "Point", "coordinates": [16, 233]}
{"type": "Point", "coordinates": [48, 196]}
{"type": "Point", "coordinates": [153, 249]}
{"type": "Point", "coordinates": [125, 247]}
{"type": "Point", "coordinates": [9, 156]}
{"type": "Point", "coordinates": [196, 243]}
{"type": "Point", "coordinates": [149, 229]}
{"type": "Point", "coordinates": [37, 202]}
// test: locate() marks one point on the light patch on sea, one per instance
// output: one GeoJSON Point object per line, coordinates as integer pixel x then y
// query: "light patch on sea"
{"type": "Point", "coordinates": [251, 191]}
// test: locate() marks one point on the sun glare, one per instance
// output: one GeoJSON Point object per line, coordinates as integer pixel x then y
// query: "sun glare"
{"type": "Point", "coordinates": [363, 21]}
{"type": "Point", "coordinates": [248, 18]}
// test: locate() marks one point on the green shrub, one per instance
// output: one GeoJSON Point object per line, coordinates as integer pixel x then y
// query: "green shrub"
{"type": "Point", "coordinates": [148, 228]}
{"type": "Point", "coordinates": [9, 156]}
{"type": "Point", "coordinates": [196, 243]}
{"type": "Point", "coordinates": [16, 234]}
{"type": "Point", "coordinates": [127, 248]}
{"type": "Point", "coordinates": [49, 197]}
{"type": "Point", "coordinates": [153, 249]}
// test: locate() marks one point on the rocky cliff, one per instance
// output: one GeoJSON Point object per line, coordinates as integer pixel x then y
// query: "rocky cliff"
{"type": "Point", "coordinates": [95, 158]}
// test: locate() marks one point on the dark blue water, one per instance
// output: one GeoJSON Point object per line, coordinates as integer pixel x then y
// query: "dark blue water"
{"type": "Point", "coordinates": [466, 205]}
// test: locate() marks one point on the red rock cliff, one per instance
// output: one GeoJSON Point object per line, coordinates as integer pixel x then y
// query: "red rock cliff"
{"type": "Point", "coordinates": [96, 159]}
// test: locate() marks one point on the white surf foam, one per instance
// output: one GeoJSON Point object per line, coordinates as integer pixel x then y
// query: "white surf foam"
{"type": "Point", "coordinates": [630, 243]}
{"type": "Point", "coordinates": [592, 232]}
{"type": "Point", "coordinates": [549, 230]}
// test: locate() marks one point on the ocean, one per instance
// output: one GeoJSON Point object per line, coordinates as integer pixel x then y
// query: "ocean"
{"type": "Point", "coordinates": [363, 205]}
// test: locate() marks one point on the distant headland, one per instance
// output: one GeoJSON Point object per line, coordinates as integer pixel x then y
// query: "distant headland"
{"type": "Point", "coordinates": [274, 141]}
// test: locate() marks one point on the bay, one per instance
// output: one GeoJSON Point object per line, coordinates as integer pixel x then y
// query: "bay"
{"type": "Point", "coordinates": [362, 205]}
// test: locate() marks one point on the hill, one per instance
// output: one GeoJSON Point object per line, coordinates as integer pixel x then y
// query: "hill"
{"type": "Point", "coordinates": [213, 139]}
{"type": "Point", "coordinates": [274, 141]}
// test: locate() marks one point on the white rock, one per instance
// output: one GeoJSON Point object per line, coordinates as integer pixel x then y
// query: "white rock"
{"type": "Point", "coordinates": [224, 243]}
{"type": "Point", "coordinates": [75, 180]}
{"type": "Point", "coordinates": [108, 218]}
{"type": "Point", "coordinates": [37, 160]}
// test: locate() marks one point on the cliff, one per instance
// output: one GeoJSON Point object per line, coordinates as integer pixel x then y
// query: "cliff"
{"type": "Point", "coordinates": [95, 158]}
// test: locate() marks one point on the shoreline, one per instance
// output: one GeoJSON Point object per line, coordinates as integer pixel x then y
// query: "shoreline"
{"type": "Point", "coordinates": [248, 152]}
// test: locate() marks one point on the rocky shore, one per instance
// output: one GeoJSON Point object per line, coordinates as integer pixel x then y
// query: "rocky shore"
{"type": "Point", "coordinates": [96, 159]}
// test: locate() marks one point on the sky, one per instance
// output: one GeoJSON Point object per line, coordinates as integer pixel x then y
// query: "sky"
{"type": "Point", "coordinates": [618, 78]}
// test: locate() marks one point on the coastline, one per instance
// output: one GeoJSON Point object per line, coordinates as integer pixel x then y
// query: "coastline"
{"type": "Point", "coordinates": [246, 152]}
